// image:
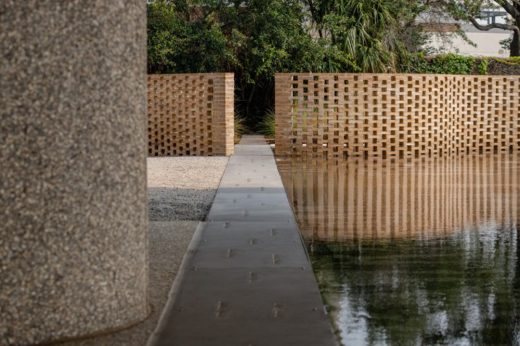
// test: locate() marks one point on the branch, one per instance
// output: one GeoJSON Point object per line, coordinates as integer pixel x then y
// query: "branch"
{"type": "Point", "coordinates": [493, 26]}
{"type": "Point", "coordinates": [314, 17]}
{"type": "Point", "coordinates": [510, 8]}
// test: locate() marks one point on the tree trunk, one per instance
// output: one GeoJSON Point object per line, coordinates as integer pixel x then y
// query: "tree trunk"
{"type": "Point", "coordinates": [515, 45]}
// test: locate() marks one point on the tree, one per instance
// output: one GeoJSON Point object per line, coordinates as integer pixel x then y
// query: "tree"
{"type": "Point", "coordinates": [470, 10]}
{"type": "Point", "coordinates": [181, 39]}
{"type": "Point", "coordinates": [252, 38]}
{"type": "Point", "coordinates": [257, 38]}
{"type": "Point", "coordinates": [378, 34]}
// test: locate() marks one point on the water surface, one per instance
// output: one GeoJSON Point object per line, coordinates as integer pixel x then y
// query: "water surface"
{"type": "Point", "coordinates": [413, 252]}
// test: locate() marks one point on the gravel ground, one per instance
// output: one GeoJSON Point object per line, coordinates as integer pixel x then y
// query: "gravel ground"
{"type": "Point", "coordinates": [180, 188]}
{"type": "Point", "coordinates": [180, 193]}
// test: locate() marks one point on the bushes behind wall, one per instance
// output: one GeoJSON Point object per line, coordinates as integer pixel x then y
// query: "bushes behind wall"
{"type": "Point", "coordinates": [507, 66]}
{"type": "Point", "coordinates": [459, 64]}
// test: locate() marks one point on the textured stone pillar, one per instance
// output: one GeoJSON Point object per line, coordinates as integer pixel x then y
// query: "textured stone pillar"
{"type": "Point", "coordinates": [73, 232]}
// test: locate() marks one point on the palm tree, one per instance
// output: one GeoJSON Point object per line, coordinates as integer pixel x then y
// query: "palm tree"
{"type": "Point", "coordinates": [367, 30]}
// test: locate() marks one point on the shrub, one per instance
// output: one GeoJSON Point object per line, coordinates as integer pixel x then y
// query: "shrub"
{"type": "Point", "coordinates": [240, 128]}
{"type": "Point", "coordinates": [458, 64]}
{"type": "Point", "coordinates": [512, 60]}
{"type": "Point", "coordinates": [483, 66]}
{"type": "Point", "coordinates": [443, 64]}
{"type": "Point", "coordinates": [267, 125]}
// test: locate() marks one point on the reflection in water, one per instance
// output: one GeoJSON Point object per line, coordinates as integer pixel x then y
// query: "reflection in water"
{"type": "Point", "coordinates": [412, 253]}
{"type": "Point", "coordinates": [358, 199]}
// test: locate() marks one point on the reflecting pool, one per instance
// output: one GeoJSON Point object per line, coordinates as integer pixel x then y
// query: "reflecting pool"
{"type": "Point", "coordinates": [418, 252]}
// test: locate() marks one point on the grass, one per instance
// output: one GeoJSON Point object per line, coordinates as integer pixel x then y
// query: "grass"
{"type": "Point", "coordinates": [267, 125]}
{"type": "Point", "coordinates": [240, 128]}
{"type": "Point", "coordinates": [512, 60]}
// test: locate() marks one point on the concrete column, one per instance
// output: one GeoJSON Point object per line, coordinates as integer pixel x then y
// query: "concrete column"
{"type": "Point", "coordinates": [73, 222]}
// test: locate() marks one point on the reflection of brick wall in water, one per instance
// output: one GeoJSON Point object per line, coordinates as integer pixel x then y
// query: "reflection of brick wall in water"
{"type": "Point", "coordinates": [190, 114]}
{"type": "Point", "coordinates": [396, 115]}
{"type": "Point", "coordinates": [338, 200]}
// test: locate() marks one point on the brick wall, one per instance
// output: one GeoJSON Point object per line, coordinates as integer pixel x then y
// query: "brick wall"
{"type": "Point", "coordinates": [396, 115]}
{"type": "Point", "coordinates": [190, 114]}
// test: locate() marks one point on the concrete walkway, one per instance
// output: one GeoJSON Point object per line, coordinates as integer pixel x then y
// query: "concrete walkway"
{"type": "Point", "coordinates": [249, 281]}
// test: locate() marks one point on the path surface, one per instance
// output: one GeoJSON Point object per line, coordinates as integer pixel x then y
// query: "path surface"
{"type": "Point", "coordinates": [249, 281]}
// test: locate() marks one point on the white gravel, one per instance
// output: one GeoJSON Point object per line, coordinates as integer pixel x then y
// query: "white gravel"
{"type": "Point", "coordinates": [186, 172]}
{"type": "Point", "coordinates": [182, 188]}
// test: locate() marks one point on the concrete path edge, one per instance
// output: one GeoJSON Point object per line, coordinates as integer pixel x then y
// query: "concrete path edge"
{"type": "Point", "coordinates": [186, 259]}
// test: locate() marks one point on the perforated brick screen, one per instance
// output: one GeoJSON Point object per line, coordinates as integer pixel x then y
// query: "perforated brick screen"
{"type": "Point", "coordinates": [190, 114]}
{"type": "Point", "coordinates": [396, 115]}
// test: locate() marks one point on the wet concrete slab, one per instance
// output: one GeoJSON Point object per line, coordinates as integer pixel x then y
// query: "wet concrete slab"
{"type": "Point", "coordinates": [249, 281]}
{"type": "Point", "coordinates": [241, 212]}
{"type": "Point", "coordinates": [258, 232]}
{"type": "Point", "coordinates": [252, 198]}
{"type": "Point", "coordinates": [251, 246]}
{"type": "Point", "coordinates": [244, 307]}
{"type": "Point", "coordinates": [253, 150]}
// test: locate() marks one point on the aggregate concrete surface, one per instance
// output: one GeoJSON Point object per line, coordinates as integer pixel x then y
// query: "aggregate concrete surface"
{"type": "Point", "coordinates": [73, 240]}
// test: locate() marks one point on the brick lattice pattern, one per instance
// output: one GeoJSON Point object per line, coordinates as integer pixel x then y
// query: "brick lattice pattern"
{"type": "Point", "coordinates": [396, 115]}
{"type": "Point", "coordinates": [190, 114]}
{"type": "Point", "coordinates": [342, 200]}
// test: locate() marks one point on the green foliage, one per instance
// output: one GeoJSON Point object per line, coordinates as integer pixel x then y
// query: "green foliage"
{"type": "Point", "coordinates": [257, 38]}
{"type": "Point", "coordinates": [367, 30]}
{"type": "Point", "coordinates": [275, 40]}
{"type": "Point", "coordinates": [458, 64]}
{"type": "Point", "coordinates": [416, 63]}
{"type": "Point", "coordinates": [512, 60]}
{"type": "Point", "coordinates": [506, 43]}
{"type": "Point", "coordinates": [240, 128]}
{"type": "Point", "coordinates": [162, 40]}
{"type": "Point", "coordinates": [483, 66]}
{"type": "Point", "coordinates": [452, 64]}
{"type": "Point", "coordinates": [268, 125]}
{"type": "Point", "coordinates": [177, 43]}
{"type": "Point", "coordinates": [443, 64]}
{"type": "Point", "coordinates": [252, 38]}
